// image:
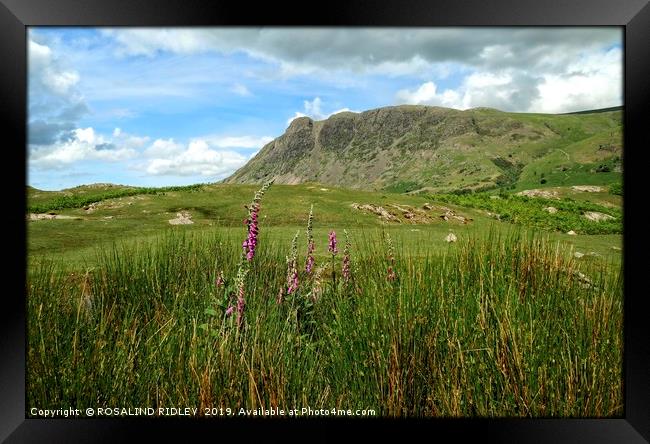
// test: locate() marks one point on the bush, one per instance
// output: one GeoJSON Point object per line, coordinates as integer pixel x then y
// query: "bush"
{"type": "Point", "coordinates": [616, 189]}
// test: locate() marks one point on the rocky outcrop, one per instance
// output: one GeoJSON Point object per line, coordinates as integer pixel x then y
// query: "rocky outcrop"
{"type": "Point", "coordinates": [595, 216]}
{"type": "Point", "coordinates": [182, 218]}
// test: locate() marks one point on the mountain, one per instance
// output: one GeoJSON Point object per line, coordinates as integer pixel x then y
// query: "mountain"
{"type": "Point", "coordinates": [416, 148]}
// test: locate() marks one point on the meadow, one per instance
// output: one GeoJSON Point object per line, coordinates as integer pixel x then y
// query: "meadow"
{"type": "Point", "coordinates": [506, 321]}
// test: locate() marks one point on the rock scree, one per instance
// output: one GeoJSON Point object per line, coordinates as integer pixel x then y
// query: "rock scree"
{"type": "Point", "coordinates": [587, 188]}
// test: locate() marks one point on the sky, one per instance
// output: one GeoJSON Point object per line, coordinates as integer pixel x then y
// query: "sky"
{"type": "Point", "coordinates": [179, 106]}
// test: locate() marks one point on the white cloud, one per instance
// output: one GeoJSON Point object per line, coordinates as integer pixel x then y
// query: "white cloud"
{"type": "Point", "coordinates": [210, 156]}
{"type": "Point", "coordinates": [47, 70]}
{"type": "Point", "coordinates": [60, 82]}
{"type": "Point", "coordinates": [241, 90]}
{"type": "Point", "coordinates": [40, 56]}
{"type": "Point", "coordinates": [488, 89]}
{"type": "Point", "coordinates": [389, 51]}
{"type": "Point", "coordinates": [147, 42]}
{"type": "Point", "coordinates": [55, 103]}
{"type": "Point", "coordinates": [313, 110]}
{"type": "Point", "coordinates": [482, 80]}
{"type": "Point", "coordinates": [162, 148]}
{"type": "Point", "coordinates": [591, 80]}
{"type": "Point", "coordinates": [508, 91]}
{"type": "Point", "coordinates": [236, 141]}
{"type": "Point", "coordinates": [87, 135]}
{"type": "Point", "coordinates": [197, 159]}
{"type": "Point", "coordinates": [427, 94]}
{"type": "Point", "coordinates": [414, 66]}
{"type": "Point", "coordinates": [85, 144]}
{"type": "Point", "coordinates": [124, 140]}
{"type": "Point", "coordinates": [214, 156]}
{"type": "Point", "coordinates": [595, 81]}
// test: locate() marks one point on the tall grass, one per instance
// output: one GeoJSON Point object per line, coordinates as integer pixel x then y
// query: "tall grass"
{"type": "Point", "coordinates": [497, 326]}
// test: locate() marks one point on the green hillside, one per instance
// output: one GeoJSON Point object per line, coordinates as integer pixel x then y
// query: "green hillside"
{"type": "Point", "coordinates": [417, 221]}
{"type": "Point", "coordinates": [433, 149]}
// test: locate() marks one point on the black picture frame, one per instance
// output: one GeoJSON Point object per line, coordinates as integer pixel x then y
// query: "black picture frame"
{"type": "Point", "coordinates": [633, 15]}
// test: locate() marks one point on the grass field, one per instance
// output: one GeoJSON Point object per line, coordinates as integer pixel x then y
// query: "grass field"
{"type": "Point", "coordinates": [126, 310]}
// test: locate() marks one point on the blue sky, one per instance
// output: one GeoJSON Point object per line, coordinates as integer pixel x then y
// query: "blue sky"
{"type": "Point", "coordinates": [172, 106]}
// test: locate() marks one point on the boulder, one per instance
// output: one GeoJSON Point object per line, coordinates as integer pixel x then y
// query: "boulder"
{"type": "Point", "coordinates": [595, 216]}
{"type": "Point", "coordinates": [587, 188]}
{"type": "Point", "coordinates": [539, 193]}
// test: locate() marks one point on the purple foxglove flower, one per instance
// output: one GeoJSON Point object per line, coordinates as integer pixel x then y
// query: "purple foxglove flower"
{"type": "Point", "coordinates": [309, 265]}
{"type": "Point", "coordinates": [346, 257]}
{"type": "Point", "coordinates": [292, 266]}
{"type": "Point", "coordinates": [346, 267]}
{"type": "Point", "coordinates": [251, 241]}
{"type": "Point", "coordinates": [332, 243]}
{"type": "Point", "coordinates": [293, 284]}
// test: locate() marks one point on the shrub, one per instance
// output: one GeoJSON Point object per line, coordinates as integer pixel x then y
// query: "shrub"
{"type": "Point", "coordinates": [616, 189]}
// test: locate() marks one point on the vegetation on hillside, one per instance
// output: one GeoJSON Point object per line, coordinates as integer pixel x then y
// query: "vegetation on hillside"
{"type": "Point", "coordinates": [78, 200]}
{"type": "Point", "coordinates": [564, 215]}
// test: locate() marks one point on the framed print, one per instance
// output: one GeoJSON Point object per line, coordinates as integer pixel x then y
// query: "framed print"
{"type": "Point", "coordinates": [388, 218]}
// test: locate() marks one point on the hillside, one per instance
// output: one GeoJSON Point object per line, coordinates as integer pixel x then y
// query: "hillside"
{"type": "Point", "coordinates": [416, 222]}
{"type": "Point", "coordinates": [422, 148]}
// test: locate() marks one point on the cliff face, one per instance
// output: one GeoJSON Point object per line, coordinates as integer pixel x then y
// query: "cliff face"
{"type": "Point", "coordinates": [406, 148]}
